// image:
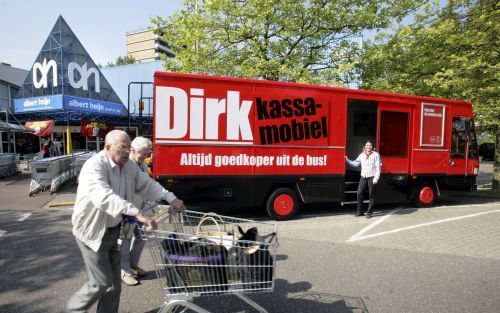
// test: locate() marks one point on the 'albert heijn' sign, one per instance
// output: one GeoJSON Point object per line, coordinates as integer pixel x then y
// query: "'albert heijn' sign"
{"type": "Point", "coordinates": [70, 103]}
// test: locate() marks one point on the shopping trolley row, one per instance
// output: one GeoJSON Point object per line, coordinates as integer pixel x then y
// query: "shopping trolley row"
{"type": "Point", "coordinates": [53, 172]}
{"type": "Point", "coordinates": [9, 164]}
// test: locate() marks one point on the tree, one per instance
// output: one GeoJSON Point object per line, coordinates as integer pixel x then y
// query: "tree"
{"type": "Point", "coordinates": [128, 59]}
{"type": "Point", "coordinates": [449, 51]}
{"type": "Point", "coordinates": [287, 40]}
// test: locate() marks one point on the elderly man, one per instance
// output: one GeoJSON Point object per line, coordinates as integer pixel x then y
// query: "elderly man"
{"type": "Point", "coordinates": [108, 183]}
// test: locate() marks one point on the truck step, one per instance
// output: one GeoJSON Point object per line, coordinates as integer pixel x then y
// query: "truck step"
{"type": "Point", "coordinates": [353, 202]}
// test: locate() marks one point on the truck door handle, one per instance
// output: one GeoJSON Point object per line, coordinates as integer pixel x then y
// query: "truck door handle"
{"type": "Point", "coordinates": [452, 162]}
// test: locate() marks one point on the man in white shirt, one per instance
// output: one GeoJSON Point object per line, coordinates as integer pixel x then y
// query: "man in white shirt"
{"type": "Point", "coordinates": [107, 184]}
{"type": "Point", "coordinates": [370, 174]}
{"type": "Point", "coordinates": [57, 147]}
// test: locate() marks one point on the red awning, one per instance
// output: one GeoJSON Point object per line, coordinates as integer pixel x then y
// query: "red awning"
{"type": "Point", "coordinates": [42, 128]}
{"type": "Point", "coordinates": [95, 129]}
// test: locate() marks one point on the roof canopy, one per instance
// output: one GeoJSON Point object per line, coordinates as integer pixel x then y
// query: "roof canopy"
{"type": "Point", "coordinates": [9, 127]}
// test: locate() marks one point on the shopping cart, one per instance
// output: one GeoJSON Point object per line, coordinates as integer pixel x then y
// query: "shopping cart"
{"type": "Point", "coordinates": [201, 254]}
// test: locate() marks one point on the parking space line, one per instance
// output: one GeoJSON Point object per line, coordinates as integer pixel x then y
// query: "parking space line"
{"type": "Point", "coordinates": [420, 225]}
{"type": "Point", "coordinates": [464, 205]}
{"type": "Point", "coordinates": [24, 216]}
{"type": "Point", "coordinates": [377, 222]}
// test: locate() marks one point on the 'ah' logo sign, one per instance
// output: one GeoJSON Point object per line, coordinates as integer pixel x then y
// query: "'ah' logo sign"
{"type": "Point", "coordinates": [44, 68]}
{"type": "Point", "coordinates": [84, 76]}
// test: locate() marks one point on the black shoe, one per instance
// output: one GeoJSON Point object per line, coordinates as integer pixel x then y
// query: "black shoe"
{"type": "Point", "coordinates": [359, 214]}
{"type": "Point", "coordinates": [368, 215]}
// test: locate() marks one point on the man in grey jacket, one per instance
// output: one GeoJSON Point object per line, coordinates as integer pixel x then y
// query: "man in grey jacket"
{"type": "Point", "coordinates": [108, 183]}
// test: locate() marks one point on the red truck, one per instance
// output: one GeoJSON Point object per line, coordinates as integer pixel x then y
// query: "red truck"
{"type": "Point", "coordinates": [230, 143]}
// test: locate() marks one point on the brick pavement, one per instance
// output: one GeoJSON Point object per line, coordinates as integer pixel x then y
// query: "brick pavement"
{"type": "Point", "coordinates": [467, 230]}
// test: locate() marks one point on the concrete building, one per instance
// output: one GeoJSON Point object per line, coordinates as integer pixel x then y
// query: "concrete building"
{"type": "Point", "coordinates": [11, 78]}
{"type": "Point", "coordinates": [144, 45]}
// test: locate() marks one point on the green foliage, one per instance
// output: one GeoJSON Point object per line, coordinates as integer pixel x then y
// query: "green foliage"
{"type": "Point", "coordinates": [122, 61]}
{"type": "Point", "coordinates": [449, 52]}
{"type": "Point", "coordinates": [307, 41]}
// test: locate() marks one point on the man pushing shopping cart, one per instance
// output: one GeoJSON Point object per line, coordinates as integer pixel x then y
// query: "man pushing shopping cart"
{"type": "Point", "coordinates": [108, 182]}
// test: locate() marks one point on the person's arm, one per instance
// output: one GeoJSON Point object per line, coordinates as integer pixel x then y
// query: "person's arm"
{"type": "Point", "coordinates": [354, 163]}
{"type": "Point", "coordinates": [178, 205]}
{"type": "Point", "coordinates": [377, 169]}
{"type": "Point", "coordinates": [150, 189]}
{"type": "Point", "coordinates": [147, 220]}
{"type": "Point", "coordinates": [103, 197]}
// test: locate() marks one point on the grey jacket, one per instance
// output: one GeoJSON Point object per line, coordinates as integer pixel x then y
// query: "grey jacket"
{"type": "Point", "coordinates": [96, 202]}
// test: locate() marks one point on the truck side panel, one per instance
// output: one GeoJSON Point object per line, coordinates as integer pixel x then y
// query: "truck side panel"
{"type": "Point", "coordinates": [236, 191]}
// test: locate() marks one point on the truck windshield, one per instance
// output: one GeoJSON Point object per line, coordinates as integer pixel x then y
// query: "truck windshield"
{"type": "Point", "coordinates": [458, 138]}
{"type": "Point", "coordinates": [463, 132]}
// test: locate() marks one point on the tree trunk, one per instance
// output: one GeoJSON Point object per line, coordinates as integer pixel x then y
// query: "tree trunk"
{"type": "Point", "coordinates": [496, 164]}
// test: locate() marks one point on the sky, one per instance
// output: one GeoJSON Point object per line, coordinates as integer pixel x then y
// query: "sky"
{"type": "Point", "coordinates": [100, 25]}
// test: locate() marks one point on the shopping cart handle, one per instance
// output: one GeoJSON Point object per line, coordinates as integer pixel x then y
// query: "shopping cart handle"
{"type": "Point", "coordinates": [154, 205]}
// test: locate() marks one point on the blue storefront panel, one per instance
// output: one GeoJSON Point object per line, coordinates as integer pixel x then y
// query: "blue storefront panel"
{"type": "Point", "coordinates": [95, 106]}
{"type": "Point", "coordinates": [38, 104]}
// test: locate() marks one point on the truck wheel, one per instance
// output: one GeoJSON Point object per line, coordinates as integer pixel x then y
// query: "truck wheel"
{"type": "Point", "coordinates": [424, 196]}
{"type": "Point", "coordinates": [282, 204]}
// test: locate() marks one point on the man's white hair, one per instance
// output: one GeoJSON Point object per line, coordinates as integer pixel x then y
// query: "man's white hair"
{"type": "Point", "coordinates": [141, 143]}
{"type": "Point", "coordinates": [113, 135]}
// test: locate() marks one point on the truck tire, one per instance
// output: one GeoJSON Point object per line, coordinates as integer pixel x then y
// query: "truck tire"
{"type": "Point", "coordinates": [424, 196]}
{"type": "Point", "coordinates": [282, 204]}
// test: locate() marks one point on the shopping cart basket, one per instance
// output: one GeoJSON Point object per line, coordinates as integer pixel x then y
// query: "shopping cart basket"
{"type": "Point", "coordinates": [201, 254]}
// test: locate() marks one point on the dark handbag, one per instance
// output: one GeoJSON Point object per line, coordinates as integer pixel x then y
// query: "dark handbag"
{"type": "Point", "coordinates": [255, 261]}
{"type": "Point", "coordinates": [197, 265]}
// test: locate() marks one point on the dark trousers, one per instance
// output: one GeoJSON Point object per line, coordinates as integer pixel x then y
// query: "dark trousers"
{"type": "Point", "coordinates": [371, 191]}
{"type": "Point", "coordinates": [104, 282]}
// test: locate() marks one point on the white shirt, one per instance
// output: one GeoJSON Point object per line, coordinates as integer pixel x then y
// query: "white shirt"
{"type": "Point", "coordinates": [370, 166]}
{"type": "Point", "coordinates": [57, 147]}
{"type": "Point", "coordinates": [118, 184]}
